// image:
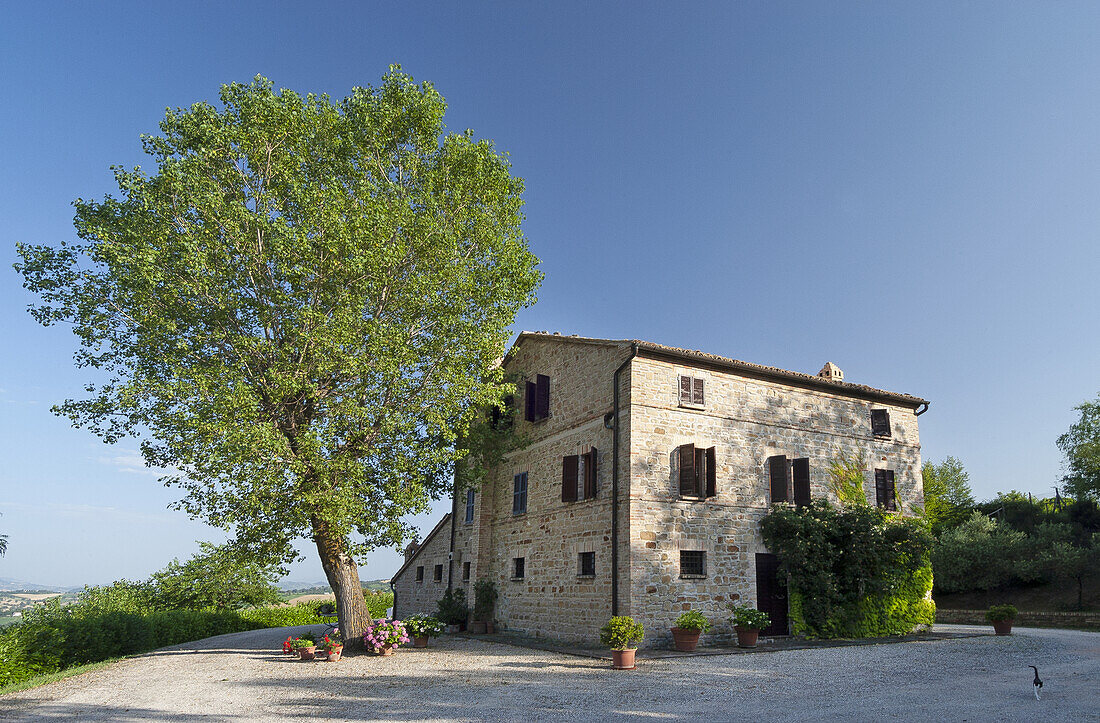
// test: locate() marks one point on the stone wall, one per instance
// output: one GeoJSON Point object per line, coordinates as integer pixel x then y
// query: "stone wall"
{"type": "Point", "coordinates": [1085, 620]}
{"type": "Point", "coordinates": [747, 421]}
{"type": "Point", "coordinates": [412, 596]}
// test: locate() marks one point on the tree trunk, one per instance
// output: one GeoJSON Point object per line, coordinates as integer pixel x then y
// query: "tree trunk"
{"type": "Point", "coordinates": [343, 577]}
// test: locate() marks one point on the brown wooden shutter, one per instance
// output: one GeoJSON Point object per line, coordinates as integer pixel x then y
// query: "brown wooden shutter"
{"type": "Point", "coordinates": [590, 473]}
{"type": "Point", "coordinates": [542, 396]}
{"type": "Point", "coordinates": [685, 390]}
{"type": "Point", "coordinates": [880, 422]}
{"type": "Point", "coordinates": [880, 487]}
{"type": "Point", "coordinates": [801, 469]}
{"type": "Point", "coordinates": [687, 470]}
{"type": "Point", "coordinates": [712, 474]}
{"type": "Point", "coordinates": [891, 492]}
{"type": "Point", "coordinates": [569, 478]}
{"type": "Point", "coordinates": [697, 391]}
{"type": "Point", "coordinates": [529, 402]}
{"type": "Point", "coordinates": [777, 469]}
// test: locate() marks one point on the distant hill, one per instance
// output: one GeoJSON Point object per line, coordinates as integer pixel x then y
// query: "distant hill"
{"type": "Point", "coordinates": [322, 588]}
{"type": "Point", "coordinates": [8, 584]}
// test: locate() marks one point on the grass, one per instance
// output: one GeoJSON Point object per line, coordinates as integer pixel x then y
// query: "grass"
{"type": "Point", "coordinates": [59, 675]}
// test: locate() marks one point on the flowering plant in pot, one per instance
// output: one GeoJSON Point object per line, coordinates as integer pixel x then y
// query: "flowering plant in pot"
{"type": "Point", "coordinates": [422, 627]}
{"type": "Point", "coordinates": [334, 646]}
{"type": "Point", "coordinates": [305, 646]}
{"type": "Point", "coordinates": [748, 622]}
{"type": "Point", "coordinates": [1002, 617]}
{"type": "Point", "coordinates": [384, 636]}
{"type": "Point", "coordinates": [288, 645]}
{"type": "Point", "coordinates": [485, 599]}
{"type": "Point", "coordinates": [622, 634]}
{"type": "Point", "coordinates": [689, 626]}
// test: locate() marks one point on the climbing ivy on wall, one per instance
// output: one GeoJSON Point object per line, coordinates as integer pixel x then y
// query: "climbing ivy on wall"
{"type": "Point", "coordinates": [855, 572]}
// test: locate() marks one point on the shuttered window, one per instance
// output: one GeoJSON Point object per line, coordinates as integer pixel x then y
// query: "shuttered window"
{"type": "Point", "coordinates": [420, 573]}
{"type": "Point", "coordinates": [569, 469]}
{"type": "Point", "coordinates": [698, 471]}
{"type": "Point", "coordinates": [519, 494]}
{"type": "Point", "coordinates": [519, 568]}
{"type": "Point", "coordinates": [469, 505]}
{"type": "Point", "coordinates": [438, 573]}
{"type": "Point", "coordinates": [691, 391]}
{"type": "Point", "coordinates": [501, 417]}
{"type": "Point", "coordinates": [590, 470]}
{"type": "Point", "coordinates": [885, 492]}
{"type": "Point", "coordinates": [880, 422]}
{"type": "Point", "coordinates": [777, 474]}
{"type": "Point", "coordinates": [693, 563]}
{"type": "Point", "coordinates": [536, 399]}
{"type": "Point", "coordinates": [800, 470]}
{"type": "Point", "coordinates": [586, 564]}
{"type": "Point", "coordinates": [578, 476]}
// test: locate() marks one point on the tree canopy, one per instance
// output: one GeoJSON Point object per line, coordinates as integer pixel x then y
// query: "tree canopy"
{"type": "Point", "coordinates": [948, 499]}
{"type": "Point", "coordinates": [1081, 446]}
{"type": "Point", "coordinates": [300, 310]}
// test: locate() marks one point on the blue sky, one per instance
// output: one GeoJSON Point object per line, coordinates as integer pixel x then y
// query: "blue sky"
{"type": "Point", "coordinates": [907, 190]}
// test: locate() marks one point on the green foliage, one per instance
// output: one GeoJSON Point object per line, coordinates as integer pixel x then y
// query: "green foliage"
{"type": "Point", "coordinates": [220, 577]}
{"type": "Point", "coordinates": [749, 617]}
{"type": "Point", "coordinates": [423, 626]}
{"type": "Point", "coordinates": [621, 633]}
{"type": "Point", "coordinates": [1062, 558]}
{"type": "Point", "coordinates": [982, 554]}
{"type": "Point", "coordinates": [1081, 447]}
{"type": "Point", "coordinates": [485, 599]}
{"type": "Point", "coordinates": [846, 478]}
{"type": "Point", "coordinates": [855, 571]}
{"type": "Point", "coordinates": [452, 607]}
{"type": "Point", "coordinates": [948, 500]}
{"type": "Point", "coordinates": [693, 620]}
{"type": "Point", "coordinates": [378, 603]}
{"type": "Point", "coordinates": [999, 613]}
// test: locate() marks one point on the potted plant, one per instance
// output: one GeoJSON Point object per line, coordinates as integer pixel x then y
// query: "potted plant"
{"type": "Point", "coordinates": [305, 646]}
{"type": "Point", "coordinates": [689, 626]}
{"type": "Point", "coordinates": [1002, 617]}
{"type": "Point", "coordinates": [622, 634]}
{"type": "Point", "coordinates": [485, 599]}
{"type": "Point", "coordinates": [452, 609]}
{"type": "Point", "coordinates": [333, 646]}
{"type": "Point", "coordinates": [748, 622]}
{"type": "Point", "coordinates": [288, 645]}
{"type": "Point", "coordinates": [384, 636]}
{"type": "Point", "coordinates": [422, 627]}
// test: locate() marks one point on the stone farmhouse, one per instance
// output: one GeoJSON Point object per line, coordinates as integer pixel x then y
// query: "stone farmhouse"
{"type": "Point", "coordinates": [645, 473]}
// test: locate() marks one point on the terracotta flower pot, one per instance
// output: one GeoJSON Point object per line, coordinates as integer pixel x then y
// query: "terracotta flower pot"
{"type": "Point", "coordinates": [746, 637]}
{"type": "Point", "coordinates": [384, 650]}
{"type": "Point", "coordinates": [308, 653]}
{"type": "Point", "coordinates": [1003, 627]}
{"type": "Point", "coordinates": [623, 659]}
{"type": "Point", "coordinates": [420, 642]}
{"type": "Point", "coordinates": [335, 653]}
{"type": "Point", "coordinates": [685, 640]}
{"type": "Point", "coordinates": [490, 627]}
{"type": "Point", "coordinates": [477, 627]}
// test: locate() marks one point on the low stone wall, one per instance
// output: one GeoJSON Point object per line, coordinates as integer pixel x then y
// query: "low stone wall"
{"type": "Point", "coordinates": [1024, 619]}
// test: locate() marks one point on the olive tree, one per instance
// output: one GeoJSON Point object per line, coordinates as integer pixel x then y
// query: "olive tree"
{"type": "Point", "coordinates": [300, 310]}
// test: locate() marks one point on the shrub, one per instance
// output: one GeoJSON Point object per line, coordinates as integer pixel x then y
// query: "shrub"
{"type": "Point", "coordinates": [485, 599]}
{"type": "Point", "coordinates": [747, 617]}
{"type": "Point", "coordinates": [621, 633]}
{"type": "Point", "coordinates": [693, 620]}
{"type": "Point", "coordinates": [378, 602]}
{"type": "Point", "coordinates": [422, 626]}
{"type": "Point", "coordinates": [452, 607]}
{"type": "Point", "coordinates": [381, 633]}
{"type": "Point", "coordinates": [981, 554]}
{"type": "Point", "coordinates": [1000, 613]}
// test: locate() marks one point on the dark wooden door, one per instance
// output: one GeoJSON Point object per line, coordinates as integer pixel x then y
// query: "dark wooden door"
{"type": "Point", "coordinates": [771, 593]}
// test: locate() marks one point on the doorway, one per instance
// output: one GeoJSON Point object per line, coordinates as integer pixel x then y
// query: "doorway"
{"type": "Point", "coordinates": [771, 593]}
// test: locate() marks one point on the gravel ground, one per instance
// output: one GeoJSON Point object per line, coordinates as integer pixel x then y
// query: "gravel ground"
{"type": "Point", "coordinates": [239, 676]}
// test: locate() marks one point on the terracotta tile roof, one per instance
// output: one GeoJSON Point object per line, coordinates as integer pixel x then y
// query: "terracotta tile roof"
{"type": "Point", "coordinates": [741, 367]}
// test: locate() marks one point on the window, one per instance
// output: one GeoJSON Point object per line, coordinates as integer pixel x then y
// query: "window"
{"type": "Point", "coordinates": [880, 422]}
{"type": "Point", "coordinates": [519, 494]}
{"type": "Point", "coordinates": [500, 418]}
{"type": "Point", "coordinates": [437, 575]}
{"type": "Point", "coordinates": [420, 573]}
{"type": "Point", "coordinates": [574, 486]}
{"type": "Point", "coordinates": [777, 475]}
{"type": "Point", "coordinates": [693, 563]}
{"type": "Point", "coordinates": [536, 399]}
{"type": "Point", "coordinates": [518, 568]}
{"type": "Point", "coordinates": [469, 506]}
{"type": "Point", "coordinates": [885, 493]}
{"type": "Point", "coordinates": [586, 564]}
{"type": "Point", "coordinates": [691, 391]}
{"type": "Point", "coordinates": [465, 571]}
{"type": "Point", "coordinates": [801, 474]}
{"type": "Point", "coordinates": [697, 471]}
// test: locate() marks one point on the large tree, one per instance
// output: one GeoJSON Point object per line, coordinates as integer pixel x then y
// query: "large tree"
{"type": "Point", "coordinates": [948, 500]}
{"type": "Point", "coordinates": [1081, 446]}
{"type": "Point", "coordinates": [300, 310]}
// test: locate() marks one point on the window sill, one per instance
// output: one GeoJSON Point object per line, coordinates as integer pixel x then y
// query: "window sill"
{"type": "Point", "coordinates": [696, 407]}
{"type": "Point", "coordinates": [587, 577]}
{"type": "Point", "coordinates": [519, 514]}
{"type": "Point", "coordinates": [693, 577]}
{"type": "Point", "coordinates": [517, 579]}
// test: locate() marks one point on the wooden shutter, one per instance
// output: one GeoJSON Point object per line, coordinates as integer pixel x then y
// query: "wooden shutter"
{"type": "Point", "coordinates": [712, 474]}
{"type": "Point", "coordinates": [569, 478]}
{"type": "Point", "coordinates": [880, 422]}
{"type": "Point", "coordinates": [697, 391]}
{"type": "Point", "coordinates": [880, 487]}
{"type": "Point", "coordinates": [891, 492]}
{"type": "Point", "coordinates": [687, 470]}
{"type": "Point", "coordinates": [777, 469]}
{"type": "Point", "coordinates": [801, 470]}
{"type": "Point", "coordinates": [685, 390]}
{"type": "Point", "coordinates": [590, 473]}
{"type": "Point", "coordinates": [542, 396]}
{"type": "Point", "coordinates": [529, 402]}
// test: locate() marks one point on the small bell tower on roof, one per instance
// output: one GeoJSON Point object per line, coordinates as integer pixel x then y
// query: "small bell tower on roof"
{"type": "Point", "coordinates": [831, 372]}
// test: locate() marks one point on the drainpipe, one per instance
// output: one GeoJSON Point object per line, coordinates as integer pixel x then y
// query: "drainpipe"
{"type": "Point", "coordinates": [393, 589]}
{"type": "Point", "coordinates": [615, 487]}
{"type": "Point", "coordinates": [921, 411]}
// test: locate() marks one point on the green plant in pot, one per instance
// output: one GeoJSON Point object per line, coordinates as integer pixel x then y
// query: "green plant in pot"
{"type": "Point", "coordinates": [421, 628]}
{"type": "Point", "coordinates": [1002, 617]}
{"type": "Point", "coordinates": [453, 610]}
{"type": "Point", "coordinates": [747, 623]}
{"type": "Point", "coordinates": [485, 600]}
{"type": "Point", "coordinates": [305, 646]}
{"type": "Point", "coordinates": [622, 634]}
{"type": "Point", "coordinates": [689, 626]}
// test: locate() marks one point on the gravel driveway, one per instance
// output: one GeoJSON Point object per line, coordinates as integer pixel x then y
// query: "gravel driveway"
{"type": "Point", "coordinates": [240, 676]}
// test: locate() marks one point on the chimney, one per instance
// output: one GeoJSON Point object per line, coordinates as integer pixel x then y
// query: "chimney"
{"type": "Point", "coordinates": [411, 549]}
{"type": "Point", "coordinates": [831, 372]}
